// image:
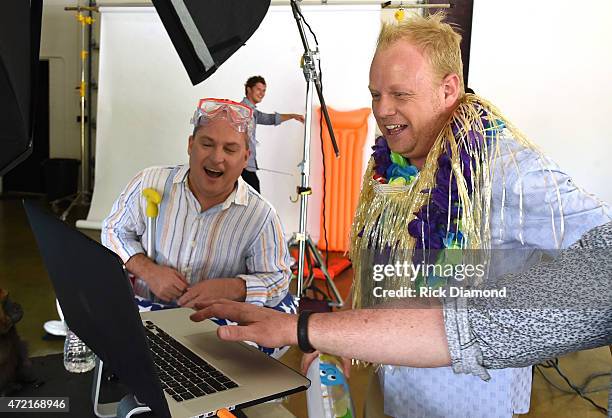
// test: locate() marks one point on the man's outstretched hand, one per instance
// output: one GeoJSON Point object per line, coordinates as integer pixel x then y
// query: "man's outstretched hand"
{"type": "Point", "coordinates": [266, 327]}
{"type": "Point", "coordinates": [289, 116]}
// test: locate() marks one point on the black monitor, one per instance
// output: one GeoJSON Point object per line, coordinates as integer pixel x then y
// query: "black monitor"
{"type": "Point", "coordinates": [98, 303]}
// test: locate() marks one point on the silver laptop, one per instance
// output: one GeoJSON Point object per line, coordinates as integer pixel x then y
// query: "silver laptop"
{"type": "Point", "coordinates": [174, 366]}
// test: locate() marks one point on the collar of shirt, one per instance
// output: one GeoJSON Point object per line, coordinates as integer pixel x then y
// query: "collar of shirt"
{"type": "Point", "coordinates": [249, 103]}
{"type": "Point", "coordinates": [239, 196]}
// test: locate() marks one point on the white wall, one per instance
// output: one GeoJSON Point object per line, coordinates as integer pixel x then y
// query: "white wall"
{"type": "Point", "coordinates": [145, 99]}
{"type": "Point", "coordinates": [548, 67]}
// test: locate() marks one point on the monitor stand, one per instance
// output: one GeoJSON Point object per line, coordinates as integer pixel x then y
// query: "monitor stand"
{"type": "Point", "coordinates": [127, 407]}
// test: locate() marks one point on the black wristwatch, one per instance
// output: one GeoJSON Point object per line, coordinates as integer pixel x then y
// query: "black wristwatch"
{"type": "Point", "coordinates": [302, 332]}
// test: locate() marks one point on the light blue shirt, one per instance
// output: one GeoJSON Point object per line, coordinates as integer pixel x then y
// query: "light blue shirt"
{"type": "Point", "coordinates": [535, 206]}
{"type": "Point", "coordinates": [261, 118]}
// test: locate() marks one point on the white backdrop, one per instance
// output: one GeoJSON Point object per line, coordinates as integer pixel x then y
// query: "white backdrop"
{"type": "Point", "coordinates": [548, 67]}
{"type": "Point", "coordinates": [145, 98]}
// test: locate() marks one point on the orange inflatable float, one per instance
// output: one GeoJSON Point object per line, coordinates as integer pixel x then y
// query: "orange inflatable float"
{"type": "Point", "coordinates": [343, 175]}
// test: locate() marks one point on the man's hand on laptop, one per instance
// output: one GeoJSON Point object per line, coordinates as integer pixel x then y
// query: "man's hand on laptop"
{"type": "Point", "coordinates": [264, 326]}
{"type": "Point", "coordinates": [213, 289]}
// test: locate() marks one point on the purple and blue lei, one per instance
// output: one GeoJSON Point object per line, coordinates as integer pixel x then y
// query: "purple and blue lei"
{"type": "Point", "coordinates": [437, 225]}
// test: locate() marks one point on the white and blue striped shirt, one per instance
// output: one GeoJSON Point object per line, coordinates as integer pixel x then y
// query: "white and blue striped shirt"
{"type": "Point", "coordinates": [241, 237]}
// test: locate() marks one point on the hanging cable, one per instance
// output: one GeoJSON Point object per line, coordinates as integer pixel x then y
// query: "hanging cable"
{"type": "Point", "coordinates": [579, 391]}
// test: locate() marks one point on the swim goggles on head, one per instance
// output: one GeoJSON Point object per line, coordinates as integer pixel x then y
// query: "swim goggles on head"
{"type": "Point", "coordinates": [239, 115]}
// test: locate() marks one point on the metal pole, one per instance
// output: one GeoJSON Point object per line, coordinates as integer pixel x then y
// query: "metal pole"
{"type": "Point", "coordinates": [90, 37]}
{"type": "Point", "coordinates": [304, 190]}
{"type": "Point", "coordinates": [153, 199]}
{"type": "Point", "coordinates": [82, 196]}
{"type": "Point", "coordinates": [82, 89]}
{"type": "Point", "coordinates": [310, 61]}
{"type": "Point", "coordinates": [389, 5]}
{"type": "Point", "coordinates": [304, 185]}
{"type": "Point", "coordinates": [151, 238]}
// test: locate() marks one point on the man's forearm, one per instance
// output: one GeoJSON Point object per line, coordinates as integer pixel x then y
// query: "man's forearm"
{"type": "Point", "coordinates": [233, 288]}
{"type": "Point", "coordinates": [408, 337]}
{"type": "Point", "coordinates": [288, 116]}
{"type": "Point", "coordinates": [140, 266]}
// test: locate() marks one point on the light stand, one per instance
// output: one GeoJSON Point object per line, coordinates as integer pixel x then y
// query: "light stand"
{"type": "Point", "coordinates": [310, 61]}
{"type": "Point", "coordinates": [83, 196]}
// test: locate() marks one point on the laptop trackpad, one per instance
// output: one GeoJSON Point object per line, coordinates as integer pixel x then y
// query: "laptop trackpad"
{"type": "Point", "coordinates": [209, 343]}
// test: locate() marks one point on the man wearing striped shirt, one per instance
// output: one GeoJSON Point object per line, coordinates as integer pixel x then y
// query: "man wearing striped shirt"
{"type": "Point", "coordinates": [215, 236]}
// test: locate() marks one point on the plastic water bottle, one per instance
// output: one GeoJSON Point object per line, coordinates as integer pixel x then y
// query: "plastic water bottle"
{"type": "Point", "coordinates": [78, 358]}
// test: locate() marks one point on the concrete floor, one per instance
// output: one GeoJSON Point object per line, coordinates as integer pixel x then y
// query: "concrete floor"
{"type": "Point", "coordinates": [23, 275]}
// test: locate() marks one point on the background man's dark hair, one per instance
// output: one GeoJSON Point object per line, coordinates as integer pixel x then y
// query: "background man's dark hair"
{"type": "Point", "coordinates": [252, 81]}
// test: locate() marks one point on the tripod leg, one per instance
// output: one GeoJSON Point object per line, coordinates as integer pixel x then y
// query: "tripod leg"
{"type": "Point", "coordinates": [81, 199]}
{"type": "Point", "coordinates": [74, 203]}
{"type": "Point", "coordinates": [311, 267]}
{"type": "Point", "coordinates": [319, 260]}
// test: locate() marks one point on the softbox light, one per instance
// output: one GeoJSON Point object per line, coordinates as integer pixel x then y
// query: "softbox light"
{"type": "Point", "coordinates": [19, 51]}
{"type": "Point", "coordinates": [206, 33]}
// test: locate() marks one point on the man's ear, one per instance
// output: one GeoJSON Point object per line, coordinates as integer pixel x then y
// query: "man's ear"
{"type": "Point", "coordinates": [451, 86]}
{"type": "Point", "coordinates": [189, 144]}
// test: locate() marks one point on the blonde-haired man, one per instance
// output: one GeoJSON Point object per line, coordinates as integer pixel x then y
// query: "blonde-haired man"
{"type": "Point", "coordinates": [449, 173]}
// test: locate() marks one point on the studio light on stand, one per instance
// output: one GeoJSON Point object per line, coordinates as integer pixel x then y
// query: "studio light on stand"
{"type": "Point", "coordinates": [302, 239]}
{"type": "Point", "coordinates": [83, 195]}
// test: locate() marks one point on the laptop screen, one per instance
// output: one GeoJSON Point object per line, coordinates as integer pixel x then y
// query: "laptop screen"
{"type": "Point", "coordinates": [98, 303]}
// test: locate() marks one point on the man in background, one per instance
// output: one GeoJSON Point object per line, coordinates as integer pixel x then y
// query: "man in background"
{"type": "Point", "coordinates": [255, 90]}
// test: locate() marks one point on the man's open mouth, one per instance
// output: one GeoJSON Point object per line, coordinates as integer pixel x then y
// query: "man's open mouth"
{"type": "Point", "coordinates": [395, 129]}
{"type": "Point", "coordinates": [213, 173]}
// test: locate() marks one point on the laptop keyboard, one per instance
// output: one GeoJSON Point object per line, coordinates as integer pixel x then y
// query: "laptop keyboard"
{"type": "Point", "coordinates": [182, 373]}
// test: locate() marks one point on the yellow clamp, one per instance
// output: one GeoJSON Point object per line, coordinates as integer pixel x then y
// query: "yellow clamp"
{"type": "Point", "coordinates": [85, 20]}
{"type": "Point", "coordinates": [153, 200]}
{"type": "Point", "coordinates": [304, 191]}
{"type": "Point", "coordinates": [400, 14]}
{"type": "Point", "coordinates": [301, 191]}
